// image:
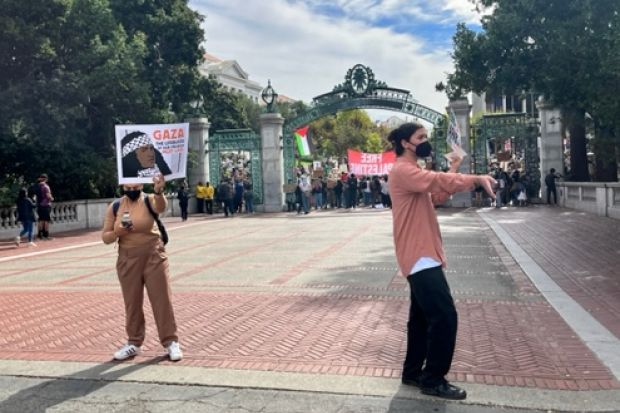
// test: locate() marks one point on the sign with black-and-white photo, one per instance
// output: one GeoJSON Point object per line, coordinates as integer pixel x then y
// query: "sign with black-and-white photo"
{"type": "Point", "coordinates": [143, 151]}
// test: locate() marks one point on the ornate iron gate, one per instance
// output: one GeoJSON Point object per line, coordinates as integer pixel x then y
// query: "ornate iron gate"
{"type": "Point", "coordinates": [360, 90]}
{"type": "Point", "coordinates": [237, 141]}
{"type": "Point", "coordinates": [523, 132]}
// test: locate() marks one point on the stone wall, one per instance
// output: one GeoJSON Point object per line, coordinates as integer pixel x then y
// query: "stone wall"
{"type": "Point", "coordinates": [600, 198]}
{"type": "Point", "coordinates": [77, 215]}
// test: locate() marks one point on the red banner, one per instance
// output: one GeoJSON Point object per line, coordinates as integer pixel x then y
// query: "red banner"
{"type": "Point", "coordinates": [364, 164]}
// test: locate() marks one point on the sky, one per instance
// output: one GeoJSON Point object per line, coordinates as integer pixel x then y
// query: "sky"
{"type": "Point", "coordinates": [305, 47]}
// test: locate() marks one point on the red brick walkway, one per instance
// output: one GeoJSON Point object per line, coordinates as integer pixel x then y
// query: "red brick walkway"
{"type": "Point", "coordinates": [579, 251]}
{"type": "Point", "coordinates": [286, 295]}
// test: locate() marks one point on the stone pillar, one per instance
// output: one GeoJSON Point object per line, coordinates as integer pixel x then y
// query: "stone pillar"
{"type": "Point", "coordinates": [198, 165]}
{"type": "Point", "coordinates": [551, 155]}
{"type": "Point", "coordinates": [273, 161]}
{"type": "Point", "coordinates": [462, 108]}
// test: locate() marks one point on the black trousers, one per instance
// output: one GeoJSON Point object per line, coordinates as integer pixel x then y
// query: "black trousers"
{"type": "Point", "coordinates": [552, 191]}
{"type": "Point", "coordinates": [200, 204]}
{"type": "Point", "coordinates": [209, 204]}
{"type": "Point", "coordinates": [183, 206]}
{"type": "Point", "coordinates": [431, 330]}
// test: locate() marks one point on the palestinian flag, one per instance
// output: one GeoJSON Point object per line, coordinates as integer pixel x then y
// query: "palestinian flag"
{"type": "Point", "coordinates": [301, 138]}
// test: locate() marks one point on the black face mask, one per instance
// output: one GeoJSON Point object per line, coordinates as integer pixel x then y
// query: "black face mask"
{"type": "Point", "coordinates": [423, 150]}
{"type": "Point", "coordinates": [134, 194]}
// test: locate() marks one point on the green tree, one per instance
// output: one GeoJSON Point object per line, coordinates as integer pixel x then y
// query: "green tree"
{"type": "Point", "coordinates": [564, 51]}
{"type": "Point", "coordinates": [351, 129]}
{"type": "Point", "coordinates": [72, 69]}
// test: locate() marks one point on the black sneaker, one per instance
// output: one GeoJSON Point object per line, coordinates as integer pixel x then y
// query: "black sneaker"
{"type": "Point", "coordinates": [445, 391]}
{"type": "Point", "coordinates": [415, 382]}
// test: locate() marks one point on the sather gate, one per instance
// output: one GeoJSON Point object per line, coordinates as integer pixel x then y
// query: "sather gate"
{"type": "Point", "coordinates": [360, 90]}
{"type": "Point", "coordinates": [272, 154]}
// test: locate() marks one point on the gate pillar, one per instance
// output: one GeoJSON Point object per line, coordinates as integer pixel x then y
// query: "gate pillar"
{"type": "Point", "coordinates": [551, 155]}
{"type": "Point", "coordinates": [273, 161]}
{"type": "Point", "coordinates": [461, 108]}
{"type": "Point", "coordinates": [198, 164]}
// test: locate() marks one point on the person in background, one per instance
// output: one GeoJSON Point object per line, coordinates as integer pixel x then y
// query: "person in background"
{"type": "Point", "coordinates": [248, 196]}
{"type": "Point", "coordinates": [183, 197]}
{"type": "Point", "coordinates": [317, 193]}
{"type": "Point", "coordinates": [209, 194]}
{"type": "Point", "coordinates": [44, 207]}
{"type": "Point", "coordinates": [550, 179]}
{"type": "Point", "coordinates": [432, 325]}
{"type": "Point", "coordinates": [201, 194]}
{"type": "Point", "coordinates": [25, 215]}
{"type": "Point", "coordinates": [238, 195]}
{"type": "Point", "coordinates": [225, 194]}
{"type": "Point", "coordinates": [367, 191]}
{"type": "Point", "coordinates": [142, 262]}
{"type": "Point", "coordinates": [289, 197]}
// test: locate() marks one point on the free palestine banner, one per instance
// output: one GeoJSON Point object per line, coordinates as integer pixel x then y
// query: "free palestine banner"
{"type": "Point", "coordinates": [363, 164]}
{"type": "Point", "coordinates": [142, 151]}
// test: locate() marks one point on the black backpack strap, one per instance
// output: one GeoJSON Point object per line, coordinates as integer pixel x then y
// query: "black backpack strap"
{"type": "Point", "coordinates": [115, 206]}
{"type": "Point", "coordinates": [162, 230]}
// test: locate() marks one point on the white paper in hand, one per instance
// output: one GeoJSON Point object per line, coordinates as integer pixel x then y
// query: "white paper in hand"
{"type": "Point", "coordinates": [457, 153]}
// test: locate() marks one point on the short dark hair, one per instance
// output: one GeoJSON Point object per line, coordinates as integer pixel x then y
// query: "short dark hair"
{"type": "Point", "coordinates": [404, 131]}
{"type": "Point", "coordinates": [552, 170]}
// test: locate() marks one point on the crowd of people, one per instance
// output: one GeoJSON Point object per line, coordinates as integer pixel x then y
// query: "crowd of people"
{"type": "Point", "coordinates": [346, 191]}
{"type": "Point", "coordinates": [232, 196]}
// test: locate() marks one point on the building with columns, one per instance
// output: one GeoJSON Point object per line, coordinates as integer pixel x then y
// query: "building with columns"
{"type": "Point", "coordinates": [489, 103]}
{"type": "Point", "coordinates": [231, 76]}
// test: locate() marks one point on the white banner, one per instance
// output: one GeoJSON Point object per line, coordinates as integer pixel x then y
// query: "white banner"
{"type": "Point", "coordinates": [143, 151]}
{"type": "Point", "coordinates": [453, 137]}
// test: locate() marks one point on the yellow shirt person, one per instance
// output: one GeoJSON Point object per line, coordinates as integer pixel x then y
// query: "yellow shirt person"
{"type": "Point", "coordinates": [201, 195]}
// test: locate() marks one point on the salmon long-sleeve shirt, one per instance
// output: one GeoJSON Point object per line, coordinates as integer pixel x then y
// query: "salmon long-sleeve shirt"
{"type": "Point", "coordinates": [415, 226]}
{"type": "Point", "coordinates": [144, 227]}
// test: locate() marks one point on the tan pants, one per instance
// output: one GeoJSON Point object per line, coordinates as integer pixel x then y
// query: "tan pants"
{"type": "Point", "coordinates": [146, 266]}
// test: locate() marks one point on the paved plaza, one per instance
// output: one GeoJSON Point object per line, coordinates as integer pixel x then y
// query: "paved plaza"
{"type": "Point", "coordinates": [294, 313]}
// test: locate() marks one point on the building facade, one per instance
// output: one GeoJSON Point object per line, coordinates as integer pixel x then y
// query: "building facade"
{"type": "Point", "coordinates": [231, 76]}
{"type": "Point", "coordinates": [489, 103]}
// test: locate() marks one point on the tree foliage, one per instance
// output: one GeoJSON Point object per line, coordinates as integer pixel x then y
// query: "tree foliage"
{"type": "Point", "coordinates": [567, 51]}
{"type": "Point", "coordinates": [72, 69]}
{"type": "Point", "coordinates": [351, 129]}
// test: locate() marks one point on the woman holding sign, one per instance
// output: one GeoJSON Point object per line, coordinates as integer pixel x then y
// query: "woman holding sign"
{"type": "Point", "coordinates": [142, 262]}
{"type": "Point", "coordinates": [140, 158]}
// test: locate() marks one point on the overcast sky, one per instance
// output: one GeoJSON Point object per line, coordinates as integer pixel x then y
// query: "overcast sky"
{"type": "Point", "coordinates": [306, 46]}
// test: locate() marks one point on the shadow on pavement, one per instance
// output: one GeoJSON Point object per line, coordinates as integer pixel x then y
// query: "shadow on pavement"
{"type": "Point", "coordinates": [39, 398]}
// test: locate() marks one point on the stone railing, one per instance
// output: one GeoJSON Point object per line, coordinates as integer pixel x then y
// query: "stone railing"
{"type": "Point", "coordinates": [76, 215]}
{"type": "Point", "coordinates": [601, 198]}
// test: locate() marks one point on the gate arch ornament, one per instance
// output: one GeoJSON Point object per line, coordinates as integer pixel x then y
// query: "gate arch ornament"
{"type": "Point", "coordinates": [236, 140]}
{"type": "Point", "coordinates": [360, 90]}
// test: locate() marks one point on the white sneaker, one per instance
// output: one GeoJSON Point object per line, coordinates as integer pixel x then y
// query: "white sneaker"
{"type": "Point", "coordinates": [174, 351]}
{"type": "Point", "coordinates": [128, 350]}
{"type": "Point", "coordinates": [32, 244]}
{"type": "Point", "coordinates": [17, 240]}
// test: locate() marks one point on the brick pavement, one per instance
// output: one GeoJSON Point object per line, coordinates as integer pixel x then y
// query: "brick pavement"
{"type": "Point", "coordinates": [316, 294]}
{"type": "Point", "coordinates": [579, 251]}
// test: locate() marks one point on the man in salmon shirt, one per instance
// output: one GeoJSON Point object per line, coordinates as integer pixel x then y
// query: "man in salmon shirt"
{"type": "Point", "coordinates": [432, 325]}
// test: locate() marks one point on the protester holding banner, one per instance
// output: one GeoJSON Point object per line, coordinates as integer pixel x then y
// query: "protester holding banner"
{"type": "Point", "coordinates": [142, 262]}
{"type": "Point", "coordinates": [432, 324]}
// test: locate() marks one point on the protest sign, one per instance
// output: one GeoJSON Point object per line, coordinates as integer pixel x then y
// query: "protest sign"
{"type": "Point", "coordinates": [142, 151]}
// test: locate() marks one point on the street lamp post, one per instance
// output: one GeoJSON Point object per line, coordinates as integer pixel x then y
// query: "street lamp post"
{"type": "Point", "coordinates": [270, 97]}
